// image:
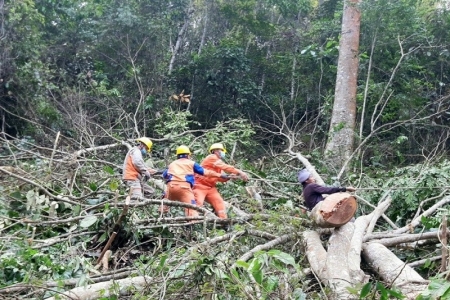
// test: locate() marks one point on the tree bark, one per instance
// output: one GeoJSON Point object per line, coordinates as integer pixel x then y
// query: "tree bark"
{"type": "Point", "coordinates": [338, 267]}
{"type": "Point", "coordinates": [179, 41]}
{"type": "Point", "coordinates": [341, 133]}
{"type": "Point", "coordinates": [335, 210]}
{"type": "Point", "coordinates": [119, 287]}
{"type": "Point", "coordinates": [391, 269]}
{"type": "Point", "coordinates": [443, 239]}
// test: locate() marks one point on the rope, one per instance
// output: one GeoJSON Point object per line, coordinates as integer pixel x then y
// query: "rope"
{"type": "Point", "coordinates": [405, 188]}
{"type": "Point", "coordinates": [365, 189]}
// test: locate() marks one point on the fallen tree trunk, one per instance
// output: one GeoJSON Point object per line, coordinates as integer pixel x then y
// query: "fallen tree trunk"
{"type": "Point", "coordinates": [115, 275]}
{"type": "Point", "coordinates": [338, 267]}
{"type": "Point", "coordinates": [119, 287]}
{"type": "Point", "coordinates": [394, 271]}
{"type": "Point", "coordinates": [335, 210]}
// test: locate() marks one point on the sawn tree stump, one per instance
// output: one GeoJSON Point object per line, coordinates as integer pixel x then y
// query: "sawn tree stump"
{"type": "Point", "coordinates": [335, 210]}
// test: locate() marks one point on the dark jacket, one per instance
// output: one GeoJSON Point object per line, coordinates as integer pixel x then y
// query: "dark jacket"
{"type": "Point", "coordinates": [312, 193]}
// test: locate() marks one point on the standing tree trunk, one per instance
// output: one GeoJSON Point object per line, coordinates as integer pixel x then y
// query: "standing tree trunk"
{"type": "Point", "coordinates": [341, 133]}
{"type": "Point", "coordinates": [181, 33]}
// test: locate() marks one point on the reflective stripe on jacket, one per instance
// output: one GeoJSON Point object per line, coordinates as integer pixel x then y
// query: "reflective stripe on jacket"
{"type": "Point", "coordinates": [213, 163]}
{"type": "Point", "coordinates": [183, 169]}
{"type": "Point", "coordinates": [133, 165]}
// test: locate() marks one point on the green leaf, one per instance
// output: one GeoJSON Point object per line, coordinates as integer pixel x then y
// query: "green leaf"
{"type": "Point", "coordinates": [162, 260]}
{"type": "Point", "coordinates": [114, 185]}
{"type": "Point", "coordinates": [254, 266]}
{"type": "Point", "coordinates": [273, 252]}
{"type": "Point", "coordinates": [285, 258]}
{"type": "Point", "coordinates": [271, 283]}
{"type": "Point", "coordinates": [93, 186]}
{"type": "Point", "coordinates": [398, 295]}
{"type": "Point", "coordinates": [446, 294]}
{"type": "Point", "coordinates": [235, 273]}
{"type": "Point", "coordinates": [180, 270]}
{"type": "Point", "coordinates": [365, 290]}
{"type": "Point", "coordinates": [299, 294]}
{"type": "Point", "coordinates": [102, 238]}
{"type": "Point", "coordinates": [437, 288]}
{"type": "Point", "coordinates": [220, 274]}
{"type": "Point", "coordinates": [16, 195]}
{"type": "Point", "coordinates": [382, 289]}
{"type": "Point", "coordinates": [93, 201]}
{"type": "Point", "coordinates": [255, 269]}
{"type": "Point", "coordinates": [109, 170]}
{"type": "Point", "coordinates": [258, 275]}
{"type": "Point", "coordinates": [208, 271]}
{"type": "Point", "coordinates": [242, 264]}
{"type": "Point", "coordinates": [77, 209]}
{"type": "Point", "coordinates": [88, 221]}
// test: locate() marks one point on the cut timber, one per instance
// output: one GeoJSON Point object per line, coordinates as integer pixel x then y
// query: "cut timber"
{"type": "Point", "coordinates": [335, 210]}
{"type": "Point", "coordinates": [106, 290]}
{"type": "Point", "coordinates": [393, 271]}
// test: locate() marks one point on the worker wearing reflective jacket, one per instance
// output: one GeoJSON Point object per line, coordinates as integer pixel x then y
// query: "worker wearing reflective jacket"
{"type": "Point", "coordinates": [205, 188]}
{"type": "Point", "coordinates": [180, 178]}
{"type": "Point", "coordinates": [135, 172]}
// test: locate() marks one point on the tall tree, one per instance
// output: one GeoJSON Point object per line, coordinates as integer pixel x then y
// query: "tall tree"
{"type": "Point", "coordinates": [341, 132]}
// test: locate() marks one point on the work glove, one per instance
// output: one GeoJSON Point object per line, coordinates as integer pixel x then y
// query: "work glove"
{"type": "Point", "coordinates": [224, 176]}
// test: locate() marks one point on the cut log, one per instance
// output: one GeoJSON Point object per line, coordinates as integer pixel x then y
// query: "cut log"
{"type": "Point", "coordinates": [335, 210]}
{"type": "Point", "coordinates": [106, 290]}
{"type": "Point", "coordinates": [394, 271]}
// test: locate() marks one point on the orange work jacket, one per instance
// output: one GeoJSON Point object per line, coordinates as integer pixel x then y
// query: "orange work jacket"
{"type": "Point", "coordinates": [213, 163]}
{"type": "Point", "coordinates": [183, 169]}
{"type": "Point", "coordinates": [133, 165]}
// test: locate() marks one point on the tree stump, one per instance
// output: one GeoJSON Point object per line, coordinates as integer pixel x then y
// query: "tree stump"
{"type": "Point", "coordinates": [335, 210]}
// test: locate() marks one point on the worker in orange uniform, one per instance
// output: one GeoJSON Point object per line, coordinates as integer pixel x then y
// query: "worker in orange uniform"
{"type": "Point", "coordinates": [205, 188]}
{"type": "Point", "coordinates": [135, 172]}
{"type": "Point", "coordinates": [180, 178]}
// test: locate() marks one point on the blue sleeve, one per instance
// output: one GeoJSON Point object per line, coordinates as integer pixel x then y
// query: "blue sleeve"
{"type": "Point", "coordinates": [198, 169]}
{"type": "Point", "coordinates": [164, 174]}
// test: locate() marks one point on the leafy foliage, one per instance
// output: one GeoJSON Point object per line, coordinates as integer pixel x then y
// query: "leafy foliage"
{"type": "Point", "coordinates": [409, 187]}
{"type": "Point", "coordinates": [439, 288]}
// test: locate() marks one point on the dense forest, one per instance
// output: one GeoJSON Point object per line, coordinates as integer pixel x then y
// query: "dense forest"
{"type": "Point", "coordinates": [355, 91]}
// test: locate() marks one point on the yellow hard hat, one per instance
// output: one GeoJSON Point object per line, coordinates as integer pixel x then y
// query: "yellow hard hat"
{"type": "Point", "coordinates": [146, 141]}
{"type": "Point", "coordinates": [217, 146]}
{"type": "Point", "coordinates": [183, 150]}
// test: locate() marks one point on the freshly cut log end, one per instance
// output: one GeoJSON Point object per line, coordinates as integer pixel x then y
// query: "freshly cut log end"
{"type": "Point", "coordinates": [335, 210]}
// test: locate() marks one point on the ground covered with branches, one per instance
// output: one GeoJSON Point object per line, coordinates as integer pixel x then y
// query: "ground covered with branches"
{"type": "Point", "coordinates": [58, 210]}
